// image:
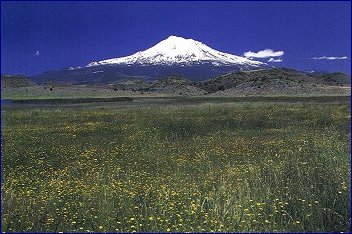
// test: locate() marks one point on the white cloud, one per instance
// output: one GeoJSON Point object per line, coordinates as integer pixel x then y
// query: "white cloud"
{"type": "Point", "coordinates": [267, 53]}
{"type": "Point", "coordinates": [37, 53]}
{"type": "Point", "coordinates": [272, 60]}
{"type": "Point", "coordinates": [329, 58]}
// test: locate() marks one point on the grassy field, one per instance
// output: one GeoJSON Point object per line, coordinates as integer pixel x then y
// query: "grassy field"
{"type": "Point", "coordinates": [261, 166]}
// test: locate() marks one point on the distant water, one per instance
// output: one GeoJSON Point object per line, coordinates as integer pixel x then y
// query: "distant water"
{"type": "Point", "coordinates": [6, 102]}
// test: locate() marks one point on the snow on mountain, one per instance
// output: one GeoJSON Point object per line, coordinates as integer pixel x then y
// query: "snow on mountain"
{"type": "Point", "coordinates": [180, 51]}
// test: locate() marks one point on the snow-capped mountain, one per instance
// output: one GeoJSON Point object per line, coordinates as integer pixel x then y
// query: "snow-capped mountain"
{"type": "Point", "coordinates": [172, 56]}
{"type": "Point", "coordinates": [180, 51]}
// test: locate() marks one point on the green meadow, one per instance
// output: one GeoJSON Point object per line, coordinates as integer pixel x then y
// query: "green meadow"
{"type": "Point", "coordinates": [262, 166]}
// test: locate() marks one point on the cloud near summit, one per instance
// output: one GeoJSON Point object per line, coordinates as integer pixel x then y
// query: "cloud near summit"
{"type": "Point", "coordinates": [267, 53]}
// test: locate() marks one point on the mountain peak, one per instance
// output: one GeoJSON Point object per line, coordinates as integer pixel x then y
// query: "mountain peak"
{"type": "Point", "coordinates": [173, 37]}
{"type": "Point", "coordinates": [177, 39]}
{"type": "Point", "coordinates": [176, 50]}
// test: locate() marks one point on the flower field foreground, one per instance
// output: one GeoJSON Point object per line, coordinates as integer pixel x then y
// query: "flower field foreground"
{"type": "Point", "coordinates": [249, 167]}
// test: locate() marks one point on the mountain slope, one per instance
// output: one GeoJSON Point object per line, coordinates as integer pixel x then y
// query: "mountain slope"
{"type": "Point", "coordinates": [177, 50]}
{"type": "Point", "coordinates": [15, 81]}
{"type": "Point", "coordinates": [275, 81]}
{"type": "Point", "coordinates": [334, 78]}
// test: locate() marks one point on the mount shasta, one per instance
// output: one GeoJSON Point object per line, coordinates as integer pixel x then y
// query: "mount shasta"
{"type": "Point", "coordinates": [174, 55]}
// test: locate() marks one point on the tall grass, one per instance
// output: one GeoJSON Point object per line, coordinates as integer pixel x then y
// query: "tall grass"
{"type": "Point", "coordinates": [225, 168]}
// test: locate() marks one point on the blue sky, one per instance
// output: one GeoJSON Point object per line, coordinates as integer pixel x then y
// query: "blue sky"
{"type": "Point", "coordinates": [41, 36]}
